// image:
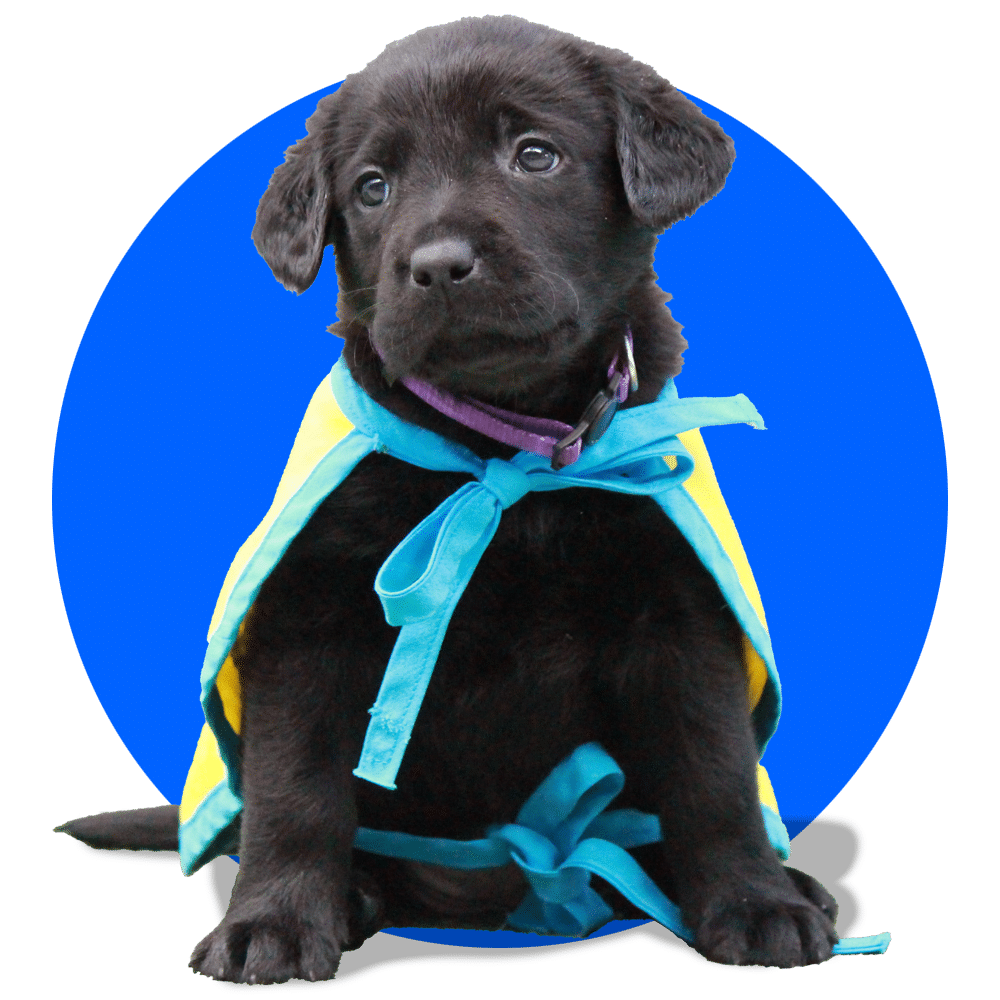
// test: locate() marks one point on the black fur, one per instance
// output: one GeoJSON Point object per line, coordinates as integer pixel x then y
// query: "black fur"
{"type": "Point", "coordinates": [589, 617]}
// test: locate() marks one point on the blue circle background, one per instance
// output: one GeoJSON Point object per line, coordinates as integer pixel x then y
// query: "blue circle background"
{"type": "Point", "coordinates": [197, 366]}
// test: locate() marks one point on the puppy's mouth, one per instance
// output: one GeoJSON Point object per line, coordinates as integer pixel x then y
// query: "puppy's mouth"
{"type": "Point", "coordinates": [489, 365]}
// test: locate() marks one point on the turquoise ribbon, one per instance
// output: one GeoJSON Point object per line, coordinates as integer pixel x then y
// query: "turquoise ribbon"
{"type": "Point", "coordinates": [419, 589]}
{"type": "Point", "coordinates": [562, 836]}
{"type": "Point", "coordinates": [422, 580]}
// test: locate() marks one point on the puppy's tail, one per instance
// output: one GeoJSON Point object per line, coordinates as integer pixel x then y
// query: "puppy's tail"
{"type": "Point", "coordinates": [153, 829]}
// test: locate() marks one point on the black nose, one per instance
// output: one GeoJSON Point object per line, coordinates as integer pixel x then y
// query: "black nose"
{"type": "Point", "coordinates": [442, 262]}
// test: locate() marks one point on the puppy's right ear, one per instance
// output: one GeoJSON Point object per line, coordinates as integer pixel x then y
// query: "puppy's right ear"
{"type": "Point", "coordinates": [293, 215]}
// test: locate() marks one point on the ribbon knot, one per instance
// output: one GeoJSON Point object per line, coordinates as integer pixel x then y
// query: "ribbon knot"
{"type": "Point", "coordinates": [505, 481]}
{"type": "Point", "coordinates": [563, 835]}
{"type": "Point", "coordinates": [422, 581]}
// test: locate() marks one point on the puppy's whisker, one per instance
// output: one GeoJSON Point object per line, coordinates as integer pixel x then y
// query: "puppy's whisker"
{"type": "Point", "coordinates": [552, 290]}
{"type": "Point", "coordinates": [576, 297]}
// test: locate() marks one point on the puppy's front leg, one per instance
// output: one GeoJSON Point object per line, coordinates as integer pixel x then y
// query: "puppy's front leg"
{"type": "Point", "coordinates": [691, 756]}
{"type": "Point", "coordinates": [288, 917]}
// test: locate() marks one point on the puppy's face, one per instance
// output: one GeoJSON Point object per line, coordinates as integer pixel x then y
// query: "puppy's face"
{"type": "Point", "coordinates": [484, 229]}
{"type": "Point", "coordinates": [493, 190]}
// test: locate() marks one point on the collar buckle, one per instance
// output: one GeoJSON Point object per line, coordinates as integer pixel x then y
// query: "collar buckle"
{"type": "Point", "coordinates": [595, 421]}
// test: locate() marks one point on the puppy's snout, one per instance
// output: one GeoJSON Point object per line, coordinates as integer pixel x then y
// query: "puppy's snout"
{"type": "Point", "coordinates": [443, 262]}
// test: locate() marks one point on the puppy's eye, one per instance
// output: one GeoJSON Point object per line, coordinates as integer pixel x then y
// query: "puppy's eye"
{"type": "Point", "coordinates": [373, 190]}
{"type": "Point", "coordinates": [536, 158]}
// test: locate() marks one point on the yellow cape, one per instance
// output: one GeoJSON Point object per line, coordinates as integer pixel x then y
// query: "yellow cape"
{"type": "Point", "coordinates": [211, 800]}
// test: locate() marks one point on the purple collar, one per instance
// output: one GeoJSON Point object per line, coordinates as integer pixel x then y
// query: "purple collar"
{"type": "Point", "coordinates": [539, 435]}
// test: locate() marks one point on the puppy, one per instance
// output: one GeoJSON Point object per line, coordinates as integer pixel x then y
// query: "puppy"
{"type": "Point", "coordinates": [493, 190]}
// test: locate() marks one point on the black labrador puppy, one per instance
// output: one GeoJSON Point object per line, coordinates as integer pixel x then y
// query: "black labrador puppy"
{"type": "Point", "coordinates": [493, 190]}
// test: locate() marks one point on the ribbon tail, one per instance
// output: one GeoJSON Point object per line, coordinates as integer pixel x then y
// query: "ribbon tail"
{"type": "Point", "coordinates": [420, 585]}
{"type": "Point", "coordinates": [574, 795]}
{"type": "Point", "coordinates": [399, 698]}
{"type": "Point", "coordinates": [585, 914]}
{"type": "Point", "coordinates": [467, 855]}
{"type": "Point", "coordinates": [529, 916]}
{"type": "Point", "coordinates": [617, 867]}
{"type": "Point", "coordinates": [574, 919]}
{"type": "Point", "coordinates": [873, 944]}
{"type": "Point", "coordinates": [626, 828]}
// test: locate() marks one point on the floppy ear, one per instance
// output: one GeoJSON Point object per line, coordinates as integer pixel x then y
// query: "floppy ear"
{"type": "Point", "coordinates": [293, 214]}
{"type": "Point", "coordinates": [673, 158]}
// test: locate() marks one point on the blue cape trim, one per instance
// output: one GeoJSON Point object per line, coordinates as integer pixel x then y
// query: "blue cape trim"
{"type": "Point", "coordinates": [564, 834]}
{"type": "Point", "coordinates": [422, 580]}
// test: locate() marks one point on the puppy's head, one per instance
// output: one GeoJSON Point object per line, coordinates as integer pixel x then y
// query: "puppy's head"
{"type": "Point", "coordinates": [493, 190]}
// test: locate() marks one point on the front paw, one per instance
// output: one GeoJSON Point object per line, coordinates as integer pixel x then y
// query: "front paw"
{"type": "Point", "coordinates": [814, 891]}
{"type": "Point", "coordinates": [776, 927]}
{"type": "Point", "coordinates": [271, 948]}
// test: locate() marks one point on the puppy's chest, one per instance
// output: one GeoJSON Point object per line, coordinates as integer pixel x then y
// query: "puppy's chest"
{"type": "Point", "coordinates": [534, 651]}
{"type": "Point", "coordinates": [568, 574]}
{"type": "Point", "coordinates": [558, 555]}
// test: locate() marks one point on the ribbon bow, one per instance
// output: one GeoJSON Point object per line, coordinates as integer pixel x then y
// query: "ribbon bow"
{"type": "Point", "coordinates": [422, 580]}
{"type": "Point", "coordinates": [561, 837]}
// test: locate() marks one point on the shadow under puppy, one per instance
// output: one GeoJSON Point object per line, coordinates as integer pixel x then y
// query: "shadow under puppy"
{"type": "Point", "coordinates": [493, 190]}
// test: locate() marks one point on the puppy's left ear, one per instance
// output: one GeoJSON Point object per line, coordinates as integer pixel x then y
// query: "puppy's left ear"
{"type": "Point", "coordinates": [294, 213]}
{"type": "Point", "coordinates": [673, 158]}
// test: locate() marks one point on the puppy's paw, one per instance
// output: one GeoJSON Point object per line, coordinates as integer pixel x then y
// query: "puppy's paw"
{"type": "Point", "coordinates": [779, 928]}
{"type": "Point", "coordinates": [267, 949]}
{"type": "Point", "coordinates": [365, 909]}
{"type": "Point", "coordinates": [814, 891]}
